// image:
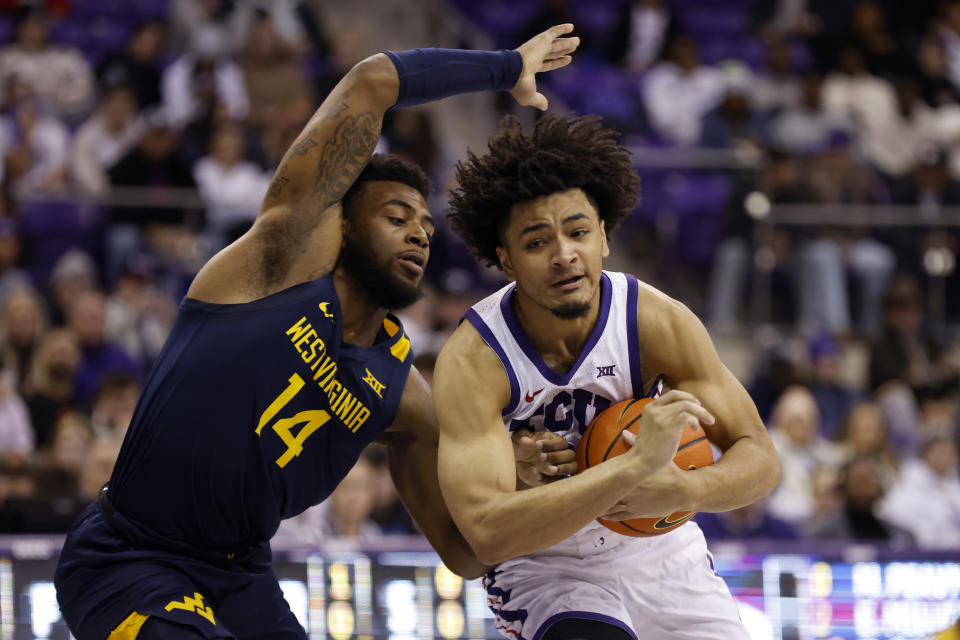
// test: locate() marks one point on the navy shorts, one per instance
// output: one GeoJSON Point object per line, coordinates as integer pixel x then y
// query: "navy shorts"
{"type": "Point", "coordinates": [103, 580]}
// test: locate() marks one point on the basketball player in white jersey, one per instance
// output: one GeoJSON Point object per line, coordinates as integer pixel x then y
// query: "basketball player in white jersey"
{"type": "Point", "coordinates": [551, 350]}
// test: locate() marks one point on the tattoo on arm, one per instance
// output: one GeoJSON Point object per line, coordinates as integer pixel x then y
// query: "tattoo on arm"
{"type": "Point", "coordinates": [345, 154]}
{"type": "Point", "coordinates": [277, 187]}
{"type": "Point", "coordinates": [303, 147]}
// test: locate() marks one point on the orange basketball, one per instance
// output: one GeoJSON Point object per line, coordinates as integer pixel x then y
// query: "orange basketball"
{"type": "Point", "coordinates": [602, 440]}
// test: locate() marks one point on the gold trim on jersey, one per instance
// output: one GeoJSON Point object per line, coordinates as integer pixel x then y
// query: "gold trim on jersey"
{"type": "Point", "coordinates": [129, 628]}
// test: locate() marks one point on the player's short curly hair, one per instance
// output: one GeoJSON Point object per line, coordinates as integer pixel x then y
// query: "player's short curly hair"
{"type": "Point", "coordinates": [391, 168]}
{"type": "Point", "coordinates": [560, 153]}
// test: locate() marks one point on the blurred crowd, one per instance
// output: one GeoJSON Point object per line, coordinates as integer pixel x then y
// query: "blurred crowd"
{"type": "Point", "coordinates": [138, 138]}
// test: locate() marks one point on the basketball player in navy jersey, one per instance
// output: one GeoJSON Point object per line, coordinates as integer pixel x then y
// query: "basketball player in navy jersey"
{"type": "Point", "coordinates": [282, 365]}
{"type": "Point", "coordinates": [561, 343]}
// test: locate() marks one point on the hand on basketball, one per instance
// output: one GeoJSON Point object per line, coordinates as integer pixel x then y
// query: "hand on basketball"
{"type": "Point", "coordinates": [542, 457]}
{"type": "Point", "coordinates": [662, 492]}
{"type": "Point", "coordinates": [544, 52]}
{"type": "Point", "coordinates": [662, 425]}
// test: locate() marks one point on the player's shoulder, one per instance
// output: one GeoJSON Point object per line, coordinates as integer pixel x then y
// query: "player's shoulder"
{"type": "Point", "coordinates": [656, 309]}
{"type": "Point", "coordinates": [467, 354]}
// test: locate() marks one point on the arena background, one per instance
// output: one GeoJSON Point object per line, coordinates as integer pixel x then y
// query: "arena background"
{"type": "Point", "coordinates": [801, 183]}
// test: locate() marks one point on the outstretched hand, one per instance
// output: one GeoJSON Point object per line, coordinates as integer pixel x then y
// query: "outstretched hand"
{"type": "Point", "coordinates": [544, 52]}
{"type": "Point", "coordinates": [542, 456]}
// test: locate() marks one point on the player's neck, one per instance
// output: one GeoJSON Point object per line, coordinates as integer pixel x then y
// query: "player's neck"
{"type": "Point", "coordinates": [362, 318]}
{"type": "Point", "coordinates": [555, 339]}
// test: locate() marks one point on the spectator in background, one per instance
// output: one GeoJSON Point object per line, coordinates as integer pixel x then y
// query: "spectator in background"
{"type": "Point", "coordinates": [649, 26]}
{"type": "Point", "coordinates": [352, 502]}
{"type": "Point", "coordinates": [948, 28]}
{"type": "Point", "coordinates": [780, 181]}
{"type": "Point", "coordinates": [221, 24]}
{"type": "Point", "coordinates": [926, 499]}
{"type": "Point", "coordinates": [139, 313]}
{"type": "Point", "coordinates": [388, 512]}
{"type": "Point", "coordinates": [34, 145]}
{"type": "Point", "coordinates": [904, 353]}
{"type": "Point", "coordinates": [834, 399]}
{"type": "Point", "coordinates": [86, 318]}
{"type": "Point", "coordinates": [60, 75]}
{"type": "Point", "coordinates": [196, 84]}
{"type": "Point", "coordinates": [68, 447]}
{"type": "Point", "coordinates": [882, 53]}
{"type": "Point", "coordinates": [272, 72]}
{"type": "Point", "coordinates": [97, 467]}
{"type": "Point", "coordinates": [16, 432]}
{"type": "Point", "coordinates": [232, 187]}
{"type": "Point", "coordinates": [154, 162]}
{"type": "Point", "coordinates": [12, 277]}
{"type": "Point", "coordinates": [895, 145]}
{"type": "Point", "coordinates": [827, 499]}
{"type": "Point", "coordinates": [851, 91]}
{"type": "Point", "coordinates": [23, 322]}
{"type": "Point", "coordinates": [52, 504]}
{"type": "Point", "coordinates": [861, 490]}
{"type": "Point", "coordinates": [73, 273]}
{"type": "Point", "coordinates": [104, 139]}
{"type": "Point", "coordinates": [838, 177]}
{"type": "Point", "coordinates": [795, 434]}
{"type": "Point", "coordinates": [808, 126]}
{"type": "Point", "coordinates": [776, 372]}
{"type": "Point", "coordinates": [679, 91]}
{"type": "Point", "coordinates": [746, 523]}
{"type": "Point", "coordinates": [412, 135]}
{"type": "Point", "coordinates": [776, 88]}
{"type": "Point", "coordinates": [865, 436]}
{"type": "Point", "coordinates": [734, 124]}
{"type": "Point", "coordinates": [113, 405]}
{"type": "Point", "coordinates": [50, 388]}
{"type": "Point", "coordinates": [932, 73]}
{"type": "Point", "coordinates": [138, 66]}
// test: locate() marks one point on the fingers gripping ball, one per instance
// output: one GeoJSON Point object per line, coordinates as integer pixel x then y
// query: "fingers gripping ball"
{"type": "Point", "coordinates": [603, 440]}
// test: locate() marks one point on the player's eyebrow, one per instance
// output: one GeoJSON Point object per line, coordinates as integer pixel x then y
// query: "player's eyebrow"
{"type": "Point", "coordinates": [409, 207]}
{"type": "Point", "coordinates": [542, 225]}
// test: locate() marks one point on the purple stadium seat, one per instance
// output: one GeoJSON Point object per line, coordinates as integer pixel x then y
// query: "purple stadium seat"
{"type": "Point", "coordinates": [53, 227]}
{"type": "Point", "coordinates": [68, 33]}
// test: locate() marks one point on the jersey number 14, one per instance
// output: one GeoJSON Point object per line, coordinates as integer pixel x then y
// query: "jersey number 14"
{"type": "Point", "coordinates": [311, 420]}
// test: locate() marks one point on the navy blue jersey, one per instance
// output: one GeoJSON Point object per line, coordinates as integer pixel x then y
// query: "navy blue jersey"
{"type": "Point", "coordinates": [253, 413]}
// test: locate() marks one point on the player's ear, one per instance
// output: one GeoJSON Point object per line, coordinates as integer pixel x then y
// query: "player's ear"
{"type": "Point", "coordinates": [505, 264]}
{"type": "Point", "coordinates": [604, 247]}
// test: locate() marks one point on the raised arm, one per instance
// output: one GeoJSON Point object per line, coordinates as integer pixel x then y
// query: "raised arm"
{"type": "Point", "coordinates": [297, 234]}
{"type": "Point", "coordinates": [476, 465]}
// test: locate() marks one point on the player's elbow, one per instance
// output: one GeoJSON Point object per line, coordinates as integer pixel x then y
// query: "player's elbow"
{"type": "Point", "coordinates": [490, 548]}
{"type": "Point", "coordinates": [375, 78]}
{"type": "Point", "coordinates": [773, 476]}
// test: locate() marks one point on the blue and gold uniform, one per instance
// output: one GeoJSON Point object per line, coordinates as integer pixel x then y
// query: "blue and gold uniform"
{"type": "Point", "coordinates": [253, 413]}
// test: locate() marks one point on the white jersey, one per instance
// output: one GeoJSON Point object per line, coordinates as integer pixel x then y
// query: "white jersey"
{"type": "Point", "coordinates": [594, 574]}
{"type": "Point", "coordinates": [607, 372]}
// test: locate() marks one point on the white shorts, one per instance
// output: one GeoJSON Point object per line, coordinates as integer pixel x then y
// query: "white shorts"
{"type": "Point", "coordinates": [665, 586]}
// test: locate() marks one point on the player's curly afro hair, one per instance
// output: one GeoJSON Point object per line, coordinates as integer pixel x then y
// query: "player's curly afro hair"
{"type": "Point", "coordinates": [560, 153]}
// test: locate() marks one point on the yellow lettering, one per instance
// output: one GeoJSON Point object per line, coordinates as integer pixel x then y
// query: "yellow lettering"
{"type": "Point", "coordinates": [315, 347]}
{"type": "Point", "coordinates": [344, 406]}
{"type": "Point", "coordinates": [298, 345]}
{"type": "Point", "coordinates": [328, 365]}
{"type": "Point", "coordinates": [359, 419]}
{"type": "Point", "coordinates": [356, 408]}
{"type": "Point", "coordinates": [313, 419]}
{"type": "Point", "coordinates": [330, 391]}
{"type": "Point", "coordinates": [297, 330]}
{"type": "Point", "coordinates": [296, 383]}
